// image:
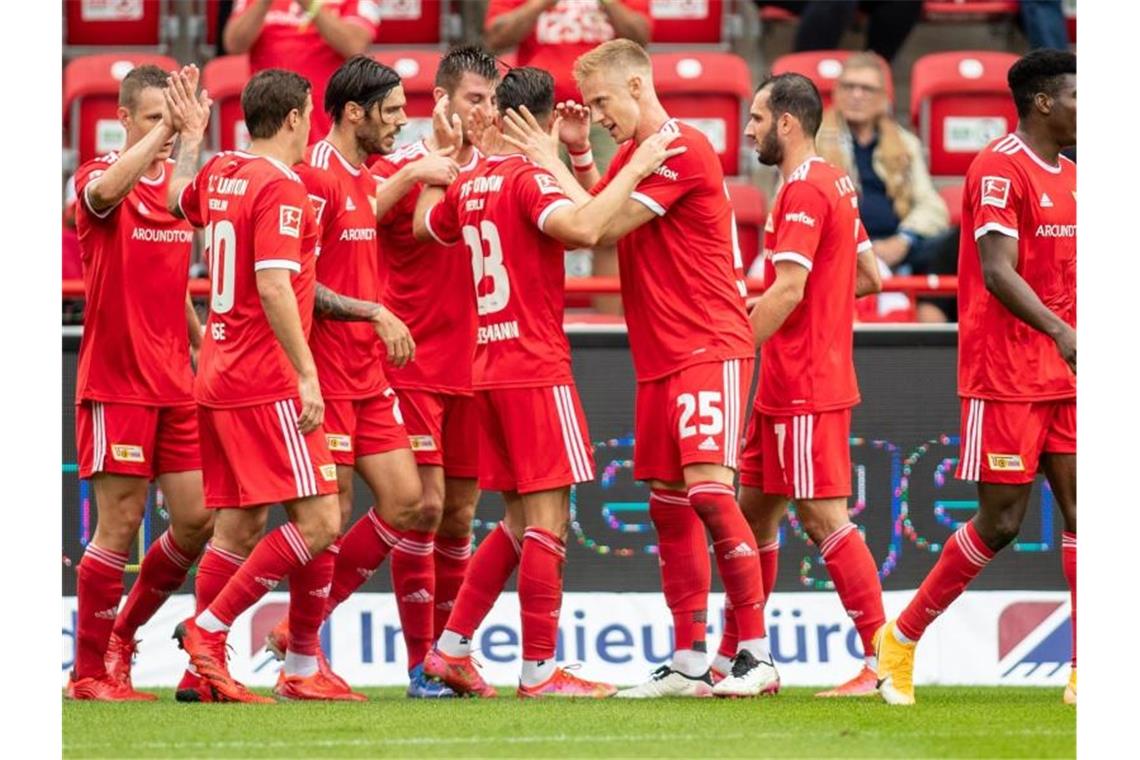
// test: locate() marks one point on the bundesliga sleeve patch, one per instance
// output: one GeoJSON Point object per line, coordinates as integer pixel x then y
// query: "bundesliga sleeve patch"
{"type": "Point", "coordinates": [290, 221]}
{"type": "Point", "coordinates": [547, 185]}
{"type": "Point", "coordinates": [995, 191]}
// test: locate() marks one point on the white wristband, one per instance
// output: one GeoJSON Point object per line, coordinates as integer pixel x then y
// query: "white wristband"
{"type": "Point", "coordinates": [582, 160]}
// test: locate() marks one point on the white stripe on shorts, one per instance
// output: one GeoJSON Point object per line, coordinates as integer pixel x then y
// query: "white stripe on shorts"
{"type": "Point", "coordinates": [572, 435]}
{"type": "Point", "coordinates": [288, 418]}
{"type": "Point", "coordinates": [99, 434]}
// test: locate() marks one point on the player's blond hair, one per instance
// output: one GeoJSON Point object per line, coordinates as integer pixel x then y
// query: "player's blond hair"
{"type": "Point", "coordinates": [615, 55]}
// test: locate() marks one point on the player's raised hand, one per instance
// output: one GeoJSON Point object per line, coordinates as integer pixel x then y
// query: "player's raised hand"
{"type": "Point", "coordinates": [481, 131]}
{"type": "Point", "coordinates": [653, 152]}
{"type": "Point", "coordinates": [1066, 342]}
{"type": "Point", "coordinates": [574, 130]}
{"type": "Point", "coordinates": [312, 404]}
{"type": "Point", "coordinates": [436, 168]}
{"type": "Point", "coordinates": [189, 113]}
{"type": "Point", "coordinates": [446, 132]}
{"type": "Point", "coordinates": [396, 337]}
{"type": "Point", "coordinates": [524, 132]}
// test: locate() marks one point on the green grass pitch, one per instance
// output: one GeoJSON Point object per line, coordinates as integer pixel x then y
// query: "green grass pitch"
{"type": "Point", "coordinates": [947, 722]}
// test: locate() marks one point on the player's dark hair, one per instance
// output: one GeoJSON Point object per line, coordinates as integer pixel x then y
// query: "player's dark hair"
{"type": "Point", "coordinates": [268, 98]}
{"type": "Point", "coordinates": [526, 86]}
{"type": "Point", "coordinates": [797, 95]}
{"type": "Point", "coordinates": [1039, 71]}
{"type": "Point", "coordinates": [361, 80]}
{"type": "Point", "coordinates": [462, 59]}
{"type": "Point", "coordinates": [137, 80]}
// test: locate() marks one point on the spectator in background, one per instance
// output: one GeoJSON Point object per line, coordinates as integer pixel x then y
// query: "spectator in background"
{"type": "Point", "coordinates": [822, 23]}
{"type": "Point", "coordinates": [1043, 22]}
{"type": "Point", "coordinates": [310, 37]}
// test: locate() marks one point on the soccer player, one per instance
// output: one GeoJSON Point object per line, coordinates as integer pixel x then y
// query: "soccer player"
{"type": "Point", "coordinates": [1017, 350]}
{"type": "Point", "coordinates": [515, 221]}
{"type": "Point", "coordinates": [692, 352]}
{"type": "Point", "coordinates": [429, 287]}
{"type": "Point", "coordinates": [260, 405]}
{"type": "Point", "coordinates": [363, 423]}
{"type": "Point", "coordinates": [135, 418]}
{"type": "Point", "coordinates": [820, 260]}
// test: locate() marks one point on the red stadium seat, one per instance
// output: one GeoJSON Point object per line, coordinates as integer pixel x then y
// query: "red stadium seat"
{"type": "Point", "coordinates": [687, 22]}
{"type": "Point", "coordinates": [114, 24]}
{"type": "Point", "coordinates": [751, 210]}
{"type": "Point", "coordinates": [967, 10]}
{"type": "Point", "coordinates": [417, 69]}
{"type": "Point", "coordinates": [709, 91]}
{"type": "Point", "coordinates": [960, 101]}
{"type": "Point", "coordinates": [411, 22]}
{"type": "Point", "coordinates": [91, 100]}
{"type": "Point", "coordinates": [224, 77]}
{"type": "Point", "coordinates": [952, 197]}
{"type": "Point", "coordinates": [823, 68]}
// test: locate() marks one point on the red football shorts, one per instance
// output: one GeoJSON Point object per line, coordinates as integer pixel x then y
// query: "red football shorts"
{"type": "Point", "coordinates": [443, 430]}
{"type": "Point", "coordinates": [694, 416]}
{"type": "Point", "coordinates": [129, 439]}
{"type": "Point", "coordinates": [361, 427]}
{"type": "Point", "coordinates": [254, 455]}
{"type": "Point", "coordinates": [804, 456]}
{"type": "Point", "coordinates": [1002, 441]}
{"type": "Point", "coordinates": [533, 439]}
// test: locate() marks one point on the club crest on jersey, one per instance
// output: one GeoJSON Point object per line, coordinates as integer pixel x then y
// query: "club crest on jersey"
{"type": "Point", "coordinates": [1006, 462]}
{"type": "Point", "coordinates": [422, 443]}
{"type": "Point", "coordinates": [995, 191]}
{"type": "Point", "coordinates": [547, 184]}
{"type": "Point", "coordinates": [289, 221]}
{"type": "Point", "coordinates": [328, 472]}
{"type": "Point", "coordinates": [122, 452]}
{"type": "Point", "coordinates": [339, 442]}
{"type": "Point", "coordinates": [318, 206]}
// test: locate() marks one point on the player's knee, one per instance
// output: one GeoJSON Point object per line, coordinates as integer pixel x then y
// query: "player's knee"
{"type": "Point", "coordinates": [117, 534]}
{"type": "Point", "coordinates": [820, 525]}
{"type": "Point", "coordinates": [456, 520]}
{"type": "Point", "coordinates": [1004, 531]}
{"type": "Point", "coordinates": [320, 526]}
{"type": "Point", "coordinates": [192, 533]}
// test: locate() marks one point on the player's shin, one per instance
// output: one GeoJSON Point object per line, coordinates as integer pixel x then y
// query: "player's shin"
{"type": "Point", "coordinates": [163, 570]}
{"type": "Point", "coordinates": [362, 549]}
{"type": "Point", "coordinates": [685, 576]}
{"type": "Point", "coordinates": [540, 601]}
{"type": "Point", "coordinates": [413, 583]}
{"type": "Point", "coordinates": [491, 567]}
{"type": "Point", "coordinates": [99, 588]}
{"type": "Point", "coordinates": [856, 578]}
{"type": "Point", "coordinates": [308, 595]}
{"type": "Point", "coordinates": [452, 556]}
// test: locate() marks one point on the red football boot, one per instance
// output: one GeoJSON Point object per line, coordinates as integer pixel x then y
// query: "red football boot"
{"type": "Point", "coordinates": [120, 655]}
{"type": "Point", "coordinates": [459, 673]}
{"type": "Point", "coordinates": [277, 642]}
{"type": "Point", "coordinates": [314, 687]}
{"type": "Point", "coordinates": [103, 689]}
{"type": "Point", "coordinates": [207, 653]}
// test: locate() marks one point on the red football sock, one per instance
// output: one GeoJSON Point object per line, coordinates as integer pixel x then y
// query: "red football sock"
{"type": "Point", "coordinates": [308, 596]}
{"type": "Point", "coordinates": [736, 558]}
{"type": "Point", "coordinates": [275, 556]}
{"type": "Point", "coordinates": [962, 558]}
{"type": "Point", "coordinates": [214, 571]}
{"type": "Point", "coordinates": [540, 592]}
{"type": "Point", "coordinates": [1069, 566]}
{"type": "Point", "coordinates": [490, 569]}
{"type": "Point", "coordinates": [413, 583]}
{"type": "Point", "coordinates": [856, 579]}
{"type": "Point", "coordinates": [100, 588]}
{"type": "Point", "coordinates": [362, 549]}
{"type": "Point", "coordinates": [769, 564]}
{"type": "Point", "coordinates": [686, 573]}
{"type": "Point", "coordinates": [163, 570]}
{"type": "Point", "coordinates": [451, 558]}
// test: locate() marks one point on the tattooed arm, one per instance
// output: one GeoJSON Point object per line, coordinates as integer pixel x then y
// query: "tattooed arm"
{"type": "Point", "coordinates": [188, 117]}
{"type": "Point", "coordinates": [391, 331]}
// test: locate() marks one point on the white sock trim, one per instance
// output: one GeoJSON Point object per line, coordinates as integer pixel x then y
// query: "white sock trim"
{"type": "Point", "coordinates": [535, 672]}
{"type": "Point", "coordinates": [303, 665]}
{"type": "Point", "coordinates": [758, 648]}
{"type": "Point", "coordinates": [690, 662]}
{"type": "Point", "coordinates": [454, 645]}
{"type": "Point", "coordinates": [209, 622]}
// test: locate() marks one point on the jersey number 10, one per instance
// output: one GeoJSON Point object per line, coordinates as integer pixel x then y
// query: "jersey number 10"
{"type": "Point", "coordinates": [221, 252]}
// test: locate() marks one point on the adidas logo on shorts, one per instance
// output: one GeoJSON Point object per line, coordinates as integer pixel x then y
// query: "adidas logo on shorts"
{"type": "Point", "coordinates": [421, 597]}
{"type": "Point", "coordinates": [742, 550]}
{"type": "Point", "coordinates": [709, 444]}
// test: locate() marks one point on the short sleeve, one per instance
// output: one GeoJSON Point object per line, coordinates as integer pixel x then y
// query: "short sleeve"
{"type": "Point", "coordinates": [279, 223]}
{"type": "Point", "coordinates": [190, 200]}
{"type": "Point", "coordinates": [671, 181]}
{"type": "Point", "coordinates": [442, 219]}
{"type": "Point", "coordinates": [862, 241]}
{"type": "Point", "coordinates": [799, 223]}
{"type": "Point", "coordinates": [993, 196]}
{"type": "Point", "coordinates": [540, 195]}
{"type": "Point", "coordinates": [88, 173]}
{"type": "Point", "coordinates": [365, 14]}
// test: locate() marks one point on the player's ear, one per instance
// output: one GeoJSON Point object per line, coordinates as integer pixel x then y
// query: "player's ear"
{"type": "Point", "coordinates": [634, 83]}
{"type": "Point", "coordinates": [124, 115]}
{"type": "Point", "coordinates": [437, 93]}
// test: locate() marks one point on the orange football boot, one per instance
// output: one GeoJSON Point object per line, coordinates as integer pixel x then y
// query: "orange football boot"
{"type": "Point", "coordinates": [459, 673]}
{"type": "Point", "coordinates": [563, 683]}
{"type": "Point", "coordinates": [120, 655]}
{"type": "Point", "coordinates": [103, 689]}
{"type": "Point", "coordinates": [863, 685]}
{"type": "Point", "coordinates": [314, 687]}
{"type": "Point", "coordinates": [208, 656]}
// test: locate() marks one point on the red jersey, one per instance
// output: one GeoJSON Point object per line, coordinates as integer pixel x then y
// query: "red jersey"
{"type": "Point", "coordinates": [499, 210]}
{"type": "Point", "coordinates": [256, 215]}
{"type": "Point", "coordinates": [290, 40]}
{"type": "Point", "coordinates": [680, 273]}
{"type": "Point", "coordinates": [1011, 190]}
{"type": "Point", "coordinates": [807, 365]}
{"type": "Point", "coordinates": [563, 32]}
{"type": "Point", "coordinates": [349, 356]}
{"type": "Point", "coordinates": [429, 287]}
{"type": "Point", "coordinates": [136, 263]}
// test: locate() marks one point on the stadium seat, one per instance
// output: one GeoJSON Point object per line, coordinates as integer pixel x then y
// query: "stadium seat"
{"type": "Point", "coordinates": [952, 197]}
{"type": "Point", "coordinates": [91, 100]}
{"type": "Point", "coordinates": [224, 77]}
{"type": "Point", "coordinates": [92, 25]}
{"type": "Point", "coordinates": [687, 22]}
{"type": "Point", "coordinates": [710, 91]}
{"type": "Point", "coordinates": [751, 210]}
{"type": "Point", "coordinates": [967, 10]}
{"type": "Point", "coordinates": [823, 68]}
{"type": "Point", "coordinates": [959, 102]}
{"type": "Point", "coordinates": [204, 27]}
{"type": "Point", "coordinates": [413, 22]}
{"type": "Point", "coordinates": [417, 69]}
